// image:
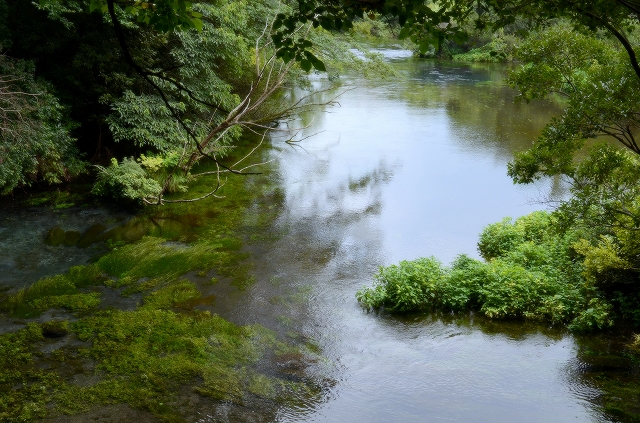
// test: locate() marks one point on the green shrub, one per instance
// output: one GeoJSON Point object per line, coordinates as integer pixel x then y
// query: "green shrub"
{"type": "Point", "coordinates": [411, 285]}
{"type": "Point", "coordinates": [499, 238]}
{"type": "Point", "coordinates": [125, 181]}
{"type": "Point", "coordinates": [460, 289]}
{"type": "Point", "coordinates": [499, 49]}
{"type": "Point", "coordinates": [597, 315]}
{"type": "Point", "coordinates": [532, 272]}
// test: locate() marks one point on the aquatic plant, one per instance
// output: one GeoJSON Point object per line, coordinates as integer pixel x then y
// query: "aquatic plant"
{"type": "Point", "coordinates": [60, 291]}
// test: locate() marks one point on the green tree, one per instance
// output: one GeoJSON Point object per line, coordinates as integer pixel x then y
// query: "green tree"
{"type": "Point", "coordinates": [433, 22]}
{"type": "Point", "coordinates": [34, 131]}
{"type": "Point", "coordinates": [598, 85]}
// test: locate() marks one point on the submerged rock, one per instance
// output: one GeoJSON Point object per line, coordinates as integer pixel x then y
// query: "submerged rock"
{"type": "Point", "coordinates": [71, 238]}
{"type": "Point", "coordinates": [55, 236]}
{"type": "Point", "coordinates": [91, 235]}
{"type": "Point", "coordinates": [54, 329]}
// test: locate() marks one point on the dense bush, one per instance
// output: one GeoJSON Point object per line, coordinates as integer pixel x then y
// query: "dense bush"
{"type": "Point", "coordinates": [531, 271]}
{"type": "Point", "coordinates": [34, 130]}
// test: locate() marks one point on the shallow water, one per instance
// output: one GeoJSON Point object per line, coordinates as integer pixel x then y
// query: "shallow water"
{"type": "Point", "coordinates": [25, 254]}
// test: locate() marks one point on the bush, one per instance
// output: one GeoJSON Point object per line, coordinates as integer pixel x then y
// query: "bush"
{"type": "Point", "coordinates": [35, 141]}
{"type": "Point", "coordinates": [404, 287]}
{"type": "Point", "coordinates": [500, 49]}
{"type": "Point", "coordinates": [532, 272]}
{"type": "Point", "coordinates": [499, 238]}
{"type": "Point", "coordinates": [125, 181]}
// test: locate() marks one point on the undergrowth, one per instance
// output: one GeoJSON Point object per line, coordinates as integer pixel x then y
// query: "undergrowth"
{"type": "Point", "coordinates": [499, 49]}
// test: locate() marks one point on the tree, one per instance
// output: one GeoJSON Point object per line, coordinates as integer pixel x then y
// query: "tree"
{"type": "Point", "coordinates": [170, 80]}
{"type": "Point", "coordinates": [34, 134]}
{"type": "Point", "coordinates": [598, 85]}
{"type": "Point", "coordinates": [434, 21]}
{"type": "Point", "coordinates": [426, 22]}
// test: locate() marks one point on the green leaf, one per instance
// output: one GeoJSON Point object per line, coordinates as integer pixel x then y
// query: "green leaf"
{"type": "Point", "coordinates": [319, 65]}
{"type": "Point", "coordinates": [197, 24]}
{"type": "Point", "coordinates": [404, 33]}
{"type": "Point", "coordinates": [424, 46]}
{"type": "Point", "coordinates": [305, 65]}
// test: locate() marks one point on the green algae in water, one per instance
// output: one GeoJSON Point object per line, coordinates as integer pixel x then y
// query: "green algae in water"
{"type": "Point", "coordinates": [172, 295]}
{"type": "Point", "coordinates": [61, 291]}
{"type": "Point", "coordinates": [144, 358]}
{"type": "Point", "coordinates": [152, 257]}
{"type": "Point", "coordinates": [24, 389]}
{"type": "Point", "coordinates": [148, 357]}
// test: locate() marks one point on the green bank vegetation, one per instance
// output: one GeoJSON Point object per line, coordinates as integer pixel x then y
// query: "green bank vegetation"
{"type": "Point", "coordinates": [136, 95]}
{"type": "Point", "coordinates": [531, 272]}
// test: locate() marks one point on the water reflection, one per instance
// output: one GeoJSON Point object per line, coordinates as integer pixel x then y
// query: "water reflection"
{"type": "Point", "coordinates": [406, 168]}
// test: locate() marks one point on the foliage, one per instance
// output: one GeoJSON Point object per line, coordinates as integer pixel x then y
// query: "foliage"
{"type": "Point", "coordinates": [406, 286]}
{"type": "Point", "coordinates": [605, 193]}
{"type": "Point", "coordinates": [532, 272]}
{"type": "Point", "coordinates": [140, 367]}
{"type": "Point", "coordinates": [162, 79]}
{"type": "Point", "coordinates": [125, 181]}
{"type": "Point", "coordinates": [497, 239]}
{"type": "Point", "coordinates": [34, 131]}
{"type": "Point", "coordinates": [427, 23]}
{"type": "Point", "coordinates": [336, 52]}
{"type": "Point", "coordinates": [596, 81]}
{"type": "Point", "coordinates": [603, 208]}
{"type": "Point", "coordinates": [432, 23]}
{"type": "Point", "coordinates": [499, 49]}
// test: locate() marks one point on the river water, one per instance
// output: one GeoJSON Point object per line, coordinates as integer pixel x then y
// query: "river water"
{"type": "Point", "coordinates": [405, 168]}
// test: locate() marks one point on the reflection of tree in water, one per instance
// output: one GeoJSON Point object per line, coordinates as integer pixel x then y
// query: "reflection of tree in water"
{"type": "Point", "coordinates": [486, 116]}
{"type": "Point", "coordinates": [516, 330]}
{"type": "Point", "coordinates": [314, 240]}
{"type": "Point", "coordinates": [330, 216]}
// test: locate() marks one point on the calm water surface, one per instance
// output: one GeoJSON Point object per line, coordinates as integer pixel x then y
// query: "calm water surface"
{"type": "Point", "coordinates": [411, 167]}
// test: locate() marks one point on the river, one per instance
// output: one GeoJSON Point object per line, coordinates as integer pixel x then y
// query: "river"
{"type": "Point", "coordinates": [408, 167]}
